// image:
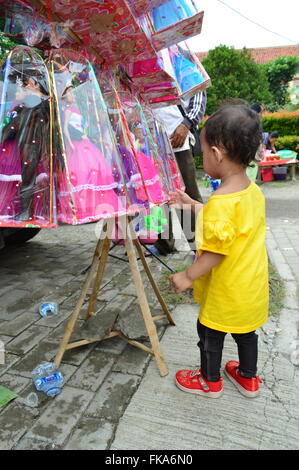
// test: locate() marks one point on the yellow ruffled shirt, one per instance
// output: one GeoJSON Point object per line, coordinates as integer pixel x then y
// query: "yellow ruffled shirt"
{"type": "Point", "coordinates": [234, 295]}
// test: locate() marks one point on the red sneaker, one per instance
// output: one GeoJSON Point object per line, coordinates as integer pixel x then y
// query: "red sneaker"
{"type": "Point", "coordinates": [248, 387]}
{"type": "Point", "coordinates": [192, 381]}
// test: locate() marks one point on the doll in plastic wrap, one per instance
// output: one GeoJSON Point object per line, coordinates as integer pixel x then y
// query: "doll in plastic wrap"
{"type": "Point", "coordinates": [10, 165]}
{"type": "Point", "coordinates": [186, 70]}
{"type": "Point", "coordinates": [151, 183]}
{"type": "Point", "coordinates": [143, 181]}
{"type": "Point", "coordinates": [172, 12]}
{"type": "Point", "coordinates": [25, 146]}
{"type": "Point", "coordinates": [91, 183]}
{"type": "Point", "coordinates": [173, 177]}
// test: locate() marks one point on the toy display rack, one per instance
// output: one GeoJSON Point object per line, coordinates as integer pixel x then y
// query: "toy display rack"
{"type": "Point", "coordinates": [96, 271]}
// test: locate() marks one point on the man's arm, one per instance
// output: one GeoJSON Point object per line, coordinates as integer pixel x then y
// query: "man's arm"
{"type": "Point", "coordinates": [193, 115]}
{"type": "Point", "coordinates": [195, 110]}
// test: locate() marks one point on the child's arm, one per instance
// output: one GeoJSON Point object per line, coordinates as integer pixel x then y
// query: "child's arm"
{"type": "Point", "coordinates": [181, 200]}
{"type": "Point", "coordinates": [184, 280]}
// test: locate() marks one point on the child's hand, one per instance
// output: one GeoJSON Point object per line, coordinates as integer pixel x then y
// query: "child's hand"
{"type": "Point", "coordinates": [180, 282]}
{"type": "Point", "coordinates": [180, 200]}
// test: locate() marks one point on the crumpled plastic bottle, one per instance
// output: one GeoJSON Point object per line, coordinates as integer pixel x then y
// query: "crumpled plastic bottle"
{"type": "Point", "coordinates": [48, 309]}
{"type": "Point", "coordinates": [47, 379]}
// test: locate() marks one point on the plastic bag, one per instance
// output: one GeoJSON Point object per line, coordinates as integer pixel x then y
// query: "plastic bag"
{"type": "Point", "coordinates": [172, 12]}
{"type": "Point", "coordinates": [27, 192]}
{"type": "Point", "coordinates": [189, 73]}
{"type": "Point", "coordinates": [88, 189]}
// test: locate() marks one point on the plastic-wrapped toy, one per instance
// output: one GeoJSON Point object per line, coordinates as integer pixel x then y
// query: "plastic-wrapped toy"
{"type": "Point", "coordinates": [25, 25]}
{"type": "Point", "coordinates": [143, 175]}
{"type": "Point", "coordinates": [150, 71]}
{"type": "Point", "coordinates": [172, 12]}
{"type": "Point", "coordinates": [175, 21]}
{"type": "Point", "coordinates": [213, 183]}
{"type": "Point", "coordinates": [189, 73]}
{"type": "Point", "coordinates": [148, 225]}
{"type": "Point", "coordinates": [106, 26]}
{"type": "Point", "coordinates": [87, 189]}
{"type": "Point", "coordinates": [155, 78]}
{"type": "Point", "coordinates": [172, 176]}
{"type": "Point", "coordinates": [139, 7]}
{"type": "Point", "coordinates": [27, 193]}
{"type": "Point", "coordinates": [155, 220]}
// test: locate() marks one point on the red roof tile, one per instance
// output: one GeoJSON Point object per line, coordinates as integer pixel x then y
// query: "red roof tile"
{"type": "Point", "coordinates": [261, 55]}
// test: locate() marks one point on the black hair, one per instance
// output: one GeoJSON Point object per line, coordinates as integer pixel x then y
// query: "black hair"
{"type": "Point", "coordinates": [274, 134]}
{"type": "Point", "coordinates": [65, 92]}
{"type": "Point", "coordinates": [256, 107]}
{"type": "Point", "coordinates": [236, 130]}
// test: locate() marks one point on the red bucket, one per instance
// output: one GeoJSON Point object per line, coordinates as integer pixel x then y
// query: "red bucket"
{"type": "Point", "coordinates": [267, 174]}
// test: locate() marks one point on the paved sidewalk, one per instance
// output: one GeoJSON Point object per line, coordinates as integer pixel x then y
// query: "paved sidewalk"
{"type": "Point", "coordinates": [100, 379]}
{"type": "Point", "coordinates": [160, 416]}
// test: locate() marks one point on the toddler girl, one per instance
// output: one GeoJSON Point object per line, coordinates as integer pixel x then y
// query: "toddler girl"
{"type": "Point", "coordinates": [230, 274]}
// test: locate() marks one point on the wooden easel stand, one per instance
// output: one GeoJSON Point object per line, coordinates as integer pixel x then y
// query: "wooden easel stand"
{"type": "Point", "coordinates": [98, 266]}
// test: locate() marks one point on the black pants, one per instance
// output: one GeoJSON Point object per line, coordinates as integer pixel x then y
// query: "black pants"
{"type": "Point", "coordinates": [211, 346]}
{"type": "Point", "coordinates": [165, 243]}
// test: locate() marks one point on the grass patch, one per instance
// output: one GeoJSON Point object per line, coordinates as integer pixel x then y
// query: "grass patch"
{"type": "Point", "coordinates": [276, 288]}
{"type": "Point", "coordinates": [277, 291]}
{"type": "Point", "coordinates": [169, 295]}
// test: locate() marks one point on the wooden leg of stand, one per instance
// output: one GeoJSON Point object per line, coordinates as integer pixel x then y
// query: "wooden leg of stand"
{"type": "Point", "coordinates": [153, 282]}
{"type": "Point", "coordinates": [72, 321]}
{"type": "Point", "coordinates": [99, 277]}
{"type": "Point", "coordinates": [148, 319]}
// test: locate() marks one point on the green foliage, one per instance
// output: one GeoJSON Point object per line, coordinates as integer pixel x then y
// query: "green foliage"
{"type": "Point", "coordinates": [279, 73]}
{"type": "Point", "coordinates": [288, 142]}
{"type": "Point", "coordinates": [6, 45]}
{"type": "Point", "coordinates": [291, 107]}
{"type": "Point", "coordinates": [235, 75]}
{"type": "Point", "coordinates": [283, 123]}
{"type": "Point", "coordinates": [287, 126]}
{"type": "Point", "coordinates": [198, 162]}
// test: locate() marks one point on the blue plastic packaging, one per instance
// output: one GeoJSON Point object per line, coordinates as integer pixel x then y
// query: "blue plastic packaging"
{"type": "Point", "coordinates": [186, 71]}
{"type": "Point", "coordinates": [214, 183]}
{"type": "Point", "coordinates": [172, 12]}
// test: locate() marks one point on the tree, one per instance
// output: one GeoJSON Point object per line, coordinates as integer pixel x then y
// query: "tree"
{"type": "Point", "coordinates": [234, 74]}
{"type": "Point", "coordinates": [279, 73]}
{"type": "Point", "coordinates": [6, 45]}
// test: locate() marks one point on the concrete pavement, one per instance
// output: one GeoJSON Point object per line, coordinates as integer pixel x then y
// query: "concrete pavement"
{"type": "Point", "coordinates": [160, 416]}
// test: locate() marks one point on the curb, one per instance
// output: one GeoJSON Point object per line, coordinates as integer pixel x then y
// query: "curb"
{"type": "Point", "coordinates": [287, 338]}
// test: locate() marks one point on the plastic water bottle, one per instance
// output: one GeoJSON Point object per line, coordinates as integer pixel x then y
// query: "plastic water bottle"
{"type": "Point", "coordinates": [47, 379]}
{"type": "Point", "coordinates": [48, 309]}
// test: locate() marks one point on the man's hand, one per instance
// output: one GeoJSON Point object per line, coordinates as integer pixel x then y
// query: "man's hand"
{"type": "Point", "coordinates": [179, 136]}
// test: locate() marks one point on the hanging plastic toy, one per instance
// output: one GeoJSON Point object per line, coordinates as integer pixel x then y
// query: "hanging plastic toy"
{"type": "Point", "coordinates": [143, 174]}
{"type": "Point", "coordinates": [172, 12]}
{"type": "Point", "coordinates": [87, 187]}
{"type": "Point", "coordinates": [27, 193]}
{"type": "Point", "coordinates": [155, 220]}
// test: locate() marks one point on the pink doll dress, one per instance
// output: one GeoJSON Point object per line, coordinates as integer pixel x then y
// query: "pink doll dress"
{"type": "Point", "coordinates": [152, 180]}
{"type": "Point", "coordinates": [10, 179]}
{"type": "Point", "coordinates": [91, 182]}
